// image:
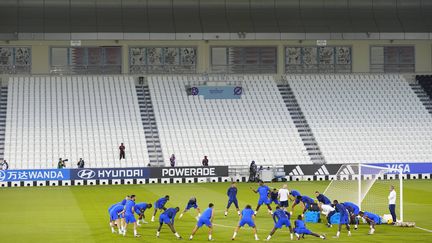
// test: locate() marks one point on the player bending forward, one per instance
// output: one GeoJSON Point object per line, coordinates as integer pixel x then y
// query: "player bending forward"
{"type": "Point", "coordinates": [160, 205]}
{"type": "Point", "coordinates": [167, 218]}
{"type": "Point", "coordinates": [247, 217]}
{"type": "Point", "coordinates": [344, 218]}
{"type": "Point", "coordinates": [116, 217]}
{"type": "Point", "coordinates": [372, 219]}
{"type": "Point", "coordinates": [140, 209]}
{"type": "Point", "coordinates": [232, 198]}
{"type": "Point", "coordinates": [205, 219]}
{"type": "Point", "coordinates": [280, 218]}
{"type": "Point", "coordinates": [301, 230]}
{"type": "Point", "coordinates": [192, 203]}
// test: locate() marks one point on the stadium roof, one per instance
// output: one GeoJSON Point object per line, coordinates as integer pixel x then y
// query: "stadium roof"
{"type": "Point", "coordinates": [215, 16]}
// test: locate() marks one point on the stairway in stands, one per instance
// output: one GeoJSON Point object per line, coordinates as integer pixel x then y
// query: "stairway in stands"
{"type": "Point", "coordinates": [149, 123]}
{"type": "Point", "coordinates": [422, 86]}
{"type": "Point", "coordinates": [3, 108]}
{"type": "Point", "coordinates": [301, 124]}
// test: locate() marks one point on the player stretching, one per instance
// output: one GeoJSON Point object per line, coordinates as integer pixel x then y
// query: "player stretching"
{"type": "Point", "coordinates": [205, 219]}
{"type": "Point", "coordinates": [344, 219]}
{"type": "Point", "coordinates": [140, 208]}
{"type": "Point", "coordinates": [192, 203]}
{"type": "Point", "coordinates": [123, 202]}
{"type": "Point", "coordinates": [160, 205]}
{"type": "Point", "coordinates": [322, 198]}
{"type": "Point", "coordinates": [293, 198]}
{"type": "Point", "coordinates": [372, 219]}
{"type": "Point", "coordinates": [300, 229]}
{"type": "Point", "coordinates": [274, 196]}
{"type": "Point", "coordinates": [167, 218]}
{"type": "Point", "coordinates": [247, 216]}
{"type": "Point", "coordinates": [116, 215]}
{"type": "Point", "coordinates": [283, 218]}
{"type": "Point", "coordinates": [354, 211]}
{"type": "Point", "coordinates": [263, 192]}
{"type": "Point", "coordinates": [232, 198]}
{"type": "Point", "coordinates": [129, 216]}
{"type": "Point", "coordinates": [306, 201]}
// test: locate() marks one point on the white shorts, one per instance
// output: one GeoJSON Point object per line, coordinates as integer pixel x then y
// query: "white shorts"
{"type": "Point", "coordinates": [326, 209]}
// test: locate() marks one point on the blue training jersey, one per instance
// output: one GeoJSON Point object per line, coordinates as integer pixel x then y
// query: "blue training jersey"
{"type": "Point", "coordinates": [295, 193]}
{"type": "Point", "coordinates": [280, 214]}
{"type": "Point", "coordinates": [263, 191]}
{"type": "Point", "coordinates": [128, 207]}
{"type": "Point", "coordinates": [306, 199]}
{"type": "Point", "coordinates": [299, 224]}
{"type": "Point", "coordinates": [372, 216]}
{"type": "Point", "coordinates": [161, 201]}
{"type": "Point", "coordinates": [117, 209]}
{"type": "Point", "coordinates": [340, 208]}
{"type": "Point", "coordinates": [323, 199]}
{"type": "Point", "coordinates": [247, 213]}
{"type": "Point", "coordinates": [232, 193]}
{"type": "Point", "coordinates": [170, 213]}
{"type": "Point", "coordinates": [207, 214]}
{"type": "Point", "coordinates": [141, 206]}
{"type": "Point", "coordinates": [192, 202]}
{"type": "Point", "coordinates": [350, 205]}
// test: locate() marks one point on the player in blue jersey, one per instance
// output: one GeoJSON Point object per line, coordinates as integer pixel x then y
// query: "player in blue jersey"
{"type": "Point", "coordinates": [263, 191]}
{"type": "Point", "coordinates": [353, 211]}
{"type": "Point", "coordinates": [247, 217]}
{"type": "Point", "coordinates": [293, 198]}
{"type": "Point", "coordinates": [301, 230]}
{"type": "Point", "coordinates": [280, 218]}
{"type": "Point", "coordinates": [372, 219]}
{"type": "Point", "coordinates": [129, 216]}
{"type": "Point", "coordinates": [274, 196]}
{"type": "Point", "coordinates": [159, 205]}
{"type": "Point", "coordinates": [205, 219]}
{"type": "Point", "coordinates": [116, 217]}
{"type": "Point", "coordinates": [306, 201]}
{"type": "Point", "coordinates": [344, 217]}
{"type": "Point", "coordinates": [167, 218]}
{"type": "Point", "coordinates": [140, 208]}
{"type": "Point", "coordinates": [123, 202]}
{"type": "Point", "coordinates": [192, 203]}
{"type": "Point", "coordinates": [232, 198]}
{"type": "Point", "coordinates": [322, 199]}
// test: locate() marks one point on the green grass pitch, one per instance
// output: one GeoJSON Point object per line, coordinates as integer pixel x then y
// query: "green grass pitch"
{"type": "Point", "coordinates": [79, 214]}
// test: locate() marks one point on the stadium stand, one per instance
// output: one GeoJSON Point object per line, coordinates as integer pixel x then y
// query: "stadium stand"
{"type": "Point", "coordinates": [229, 131]}
{"type": "Point", "coordinates": [49, 117]}
{"type": "Point", "coordinates": [423, 89]}
{"type": "Point", "coordinates": [364, 118]}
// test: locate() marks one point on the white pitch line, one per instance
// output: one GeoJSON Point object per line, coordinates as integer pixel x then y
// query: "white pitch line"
{"type": "Point", "coordinates": [427, 230]}
{"type": "Point", "coordinates": [233, 227]}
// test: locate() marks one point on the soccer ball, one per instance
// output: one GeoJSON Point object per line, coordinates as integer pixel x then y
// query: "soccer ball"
{"type": "Point", "coordinates": [387, 218]}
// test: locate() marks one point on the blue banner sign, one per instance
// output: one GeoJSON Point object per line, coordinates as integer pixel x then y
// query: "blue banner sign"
{"type": "Point", "coordinates": [110, 173]}
{"type": "Point", "coordinates": [218, 92]}
{"type": "Point", "coordinates": [407, 168]}
{"type": "Point", "coordinates": [34, 175]}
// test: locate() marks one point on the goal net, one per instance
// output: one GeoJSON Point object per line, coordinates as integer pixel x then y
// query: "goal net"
{"type": "Point", "coordinates": [366, 186]}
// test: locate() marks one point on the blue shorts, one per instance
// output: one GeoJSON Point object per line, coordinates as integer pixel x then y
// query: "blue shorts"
{"type": "Point", "coordinates": [302, 231]}
{"type": "Point", "coordinates": [202, 222]}
{"type": "Point", "coordinates": [307, 205]}
{"type": "Point", "coordinates": [297, 201]}
{"type": "Point", "coordinates": [163, 219]}
{"type": "Point", "coordinates": [262, 201]}
{"type": "Point", "coordinates": [344, 219]}
{"type": "Point", "coordinates": [114, 216]}
{"type": "Point", "coordinates": [159, 206]}
{"type": "Point", "coordinates": [249, 222]}
{"type": "Point", "coordinates": [189, 206]}
{"type": "Point", "coordinates": [275, 201]}
{"type": "Point", "coordinates": [282, 222]}
{"type": "Point", "coordinates": [130, 218]}
{"type": "Point", "coordinates": [284, 204]}
{"type": "Point", "coordinates": [231, 202]}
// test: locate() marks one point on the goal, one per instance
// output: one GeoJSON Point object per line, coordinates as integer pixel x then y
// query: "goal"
{"type": "Point", "coordinates": [368, 187]}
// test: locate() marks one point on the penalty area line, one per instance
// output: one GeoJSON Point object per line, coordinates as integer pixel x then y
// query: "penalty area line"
{"type": "Point", "coordinates": [427, 230]}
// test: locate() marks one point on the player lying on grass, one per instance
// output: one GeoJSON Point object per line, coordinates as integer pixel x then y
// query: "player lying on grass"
{"type": "Point", "coordinates": [192, 203]}
{"type": "Point", "coordinates": [263, 191]}
{"type": "Point", "coordinates": [205, 219]}
{"type": "Point", "coordinates": [129, 216]}
{"type": "Point", "coordinates": [301, 230]}
{"type": "Point", "coordinates": [232, 198]}
{"type": "Point", "coordinates": [140, 208]}
{"type": "Point", "coordinates": [306, 201]}
{"type": "Point", "coordinates": [274, 196]}
{"type": "Point", "coordinates": [247, 217]}
{"type": "Point", "coordinates": [116, 217]}
{"type": "Point", "coordinates": [353, 210]}
{"type": "Point", "coordinates": [280, 218]}
{"type": "Point", "coordinates": [160, 205]}
{"type": "Point", "coordinates": [344, 217]}
{"type": "Point", "coordinates": [167, 218]}
{"type": "Point", "coordinates": [372, 219]}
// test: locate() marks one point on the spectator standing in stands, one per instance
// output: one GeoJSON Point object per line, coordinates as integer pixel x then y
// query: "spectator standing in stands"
{"type": "Point", "coordinates": [61, 164]}
{"type": "Point", "coordinates": [122, 151]}
{"type": "Point", "coordinates": [205, 161]}
{"type": "Point", "coordinates": [80, 163]}
{"type": "Point", "coordinates": [4, 165]}
{"type": "Point", "coordinates": [172, 160]}
{"type": "Point", "coordinates": [252, 172]}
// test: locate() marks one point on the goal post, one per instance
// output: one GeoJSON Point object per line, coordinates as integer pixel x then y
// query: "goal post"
{"type": "Point", "coordinates": [368, 186]}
